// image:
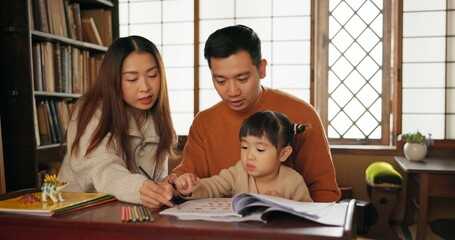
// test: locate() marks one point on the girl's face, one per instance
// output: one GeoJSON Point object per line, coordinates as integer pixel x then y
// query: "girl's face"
{"type": "Point", "coordinates": [259, 157]}
{"type": "Point", "coordinates": [141, 80]}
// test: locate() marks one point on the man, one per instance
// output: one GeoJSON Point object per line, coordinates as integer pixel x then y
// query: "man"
{"type": "Point", "coordinates": [235, 61]}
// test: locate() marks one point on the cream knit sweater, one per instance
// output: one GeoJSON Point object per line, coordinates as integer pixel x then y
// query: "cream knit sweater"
{"type": "Point", "coordinates": [104, 170]}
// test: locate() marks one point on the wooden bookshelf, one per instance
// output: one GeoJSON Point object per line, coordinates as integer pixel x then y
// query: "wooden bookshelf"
{"type": "Point", "coordinates": [25, 33]}
{"type": "Point", "coordinates": [2, 167]}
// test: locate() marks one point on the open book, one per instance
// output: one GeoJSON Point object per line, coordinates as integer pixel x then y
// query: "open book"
{"type": "Point", "coordinates": [257, 207]}
{"type": "Point", "coordinates": [73, 201]}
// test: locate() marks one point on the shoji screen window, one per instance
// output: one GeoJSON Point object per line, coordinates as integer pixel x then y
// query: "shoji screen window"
{"type": "Point", "coordinates": [284, 28]}
{"type": "Point", "coordinates": [428, 68]}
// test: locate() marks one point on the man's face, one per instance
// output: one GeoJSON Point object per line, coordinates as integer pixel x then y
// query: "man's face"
{"type": "Point", "coordinates": [237, 80]}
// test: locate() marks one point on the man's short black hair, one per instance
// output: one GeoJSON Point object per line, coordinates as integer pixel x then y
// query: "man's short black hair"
{"type": "Point", "coordinates": [229, 40]}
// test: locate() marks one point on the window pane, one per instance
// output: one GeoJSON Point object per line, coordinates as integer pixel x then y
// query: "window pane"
{"type": "Point", "coordinates": [178, 33]}
{"type": "Point", "coordinates": [424, 24]}
{"type": "Point", "coordinates": [145, 12]}
{"type": "Point", "coordinates": [291, 7]}
{"type": "Point", "coordinates": [420, 75]}
{"type": "Point", "coordinates": [253, 8]}
{"type": "Point", "coordinates": [424, 49]}
{"type": "Point", "coordinates": [285, 28]}
{"type": "Point", "coordinates": [209, 9]}
{"type": "Point", "coordinates": [418, 101]}
{"type": "Point", "coordinates": [414, 122]}
{"type": "Point", "coordinates": [123, 17]}
{"type": "Point", "coordinates": [291, 77]}
{"type": "Point", "coordinates": [291, 52]}
{"type": "Point", "coordinates": [210, 97]}
{"type": "Point", "coordinates": [178, 10]}
{"type": "Point", "coordinates": [205, 78]}
{"type": "Point", "coordinates": [180, 78]}
{"type": "Point", "coordinates": [149, 31]}
{"type": "Point", "coordinates": [182, 122]}
{"type": "Point", "coordinates": [424, 5]}
{"type": "Point", "coordinates": [207, 27]}
{"type": "Point", "coordinates": [180, 56]}
{"type": "Point", "coordinates": [262, 26]}
{"type": "Point", "coordinates": [181, 100]}
{"type": "Point", "coordinates": [355, 61]}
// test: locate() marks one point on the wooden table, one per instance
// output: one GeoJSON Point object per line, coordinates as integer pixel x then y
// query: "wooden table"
{"type": "Point", "coordinates": [431, 177]}
{"type": "Point", "coordinates": [103, 222]}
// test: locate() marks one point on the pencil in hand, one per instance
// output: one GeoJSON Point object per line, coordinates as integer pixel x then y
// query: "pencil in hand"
{"type": "Point", "coordinates": [150, 178]}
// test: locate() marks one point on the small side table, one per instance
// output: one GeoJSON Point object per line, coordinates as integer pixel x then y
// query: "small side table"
{"type": "Point", "coordinates": [430, 177]}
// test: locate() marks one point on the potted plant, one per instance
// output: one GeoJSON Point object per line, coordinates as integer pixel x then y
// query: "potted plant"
{"type": "Point", "coordinates": [416, 146]}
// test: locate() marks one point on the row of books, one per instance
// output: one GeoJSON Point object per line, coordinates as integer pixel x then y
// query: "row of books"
{"type": "Point", "coordinates": [63, 68]}
{"type": "Point", "coordinates": [52, 118]}
{"type": "Point", "coordinates": [59, 17]}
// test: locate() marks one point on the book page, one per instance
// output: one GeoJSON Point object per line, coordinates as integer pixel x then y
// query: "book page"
{"type": "Point", "coordinates": [325, 213]}
{"type": "Point", "coordinates": [209, 209]}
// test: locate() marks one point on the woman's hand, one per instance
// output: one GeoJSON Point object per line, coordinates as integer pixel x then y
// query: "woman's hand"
{"type": "Point", "coordinates": [186, 183]}
{"type": "Point", "coordinates": [155, 195]}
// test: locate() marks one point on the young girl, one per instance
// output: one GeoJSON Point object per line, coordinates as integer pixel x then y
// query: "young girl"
{"type": "Point", "coordinates": [266, 141]}
{"type": "Point", "coordinates": [122, 123]}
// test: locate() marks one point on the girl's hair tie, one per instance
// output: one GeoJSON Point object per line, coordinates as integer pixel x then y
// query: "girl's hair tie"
{"type": "Point", "coordinates": [299, 128]}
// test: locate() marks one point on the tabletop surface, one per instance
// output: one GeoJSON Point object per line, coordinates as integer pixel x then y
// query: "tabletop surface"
{"type": "Point", "coordinates": [106, 219]}
{"type": "Point", "coordinates": [429, 165]}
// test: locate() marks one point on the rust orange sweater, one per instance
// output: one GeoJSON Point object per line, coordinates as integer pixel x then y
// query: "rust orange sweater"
{"type": "Point", "coordinates": [213, 143]}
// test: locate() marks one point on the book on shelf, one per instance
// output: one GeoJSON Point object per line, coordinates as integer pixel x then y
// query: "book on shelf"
{"type": "Point", "coordinates": [257, 207]}
{"type": "Point", "coordinates": [36, 126]}
{"type": "Point", "coordinates": [63, 116]}
{"type": "Point", "coordinates": [49, 73]}
{"type": "Point", "coordinates": [50, 122]}
{"type": "Point", "coordinates": [74, 201]}
{"type": "Point", "coordinates": [58, 84]}
{"type": "Point", "coordinates": [56, 121]}
{"type": "Point", "coordinates": [40, 16]}
{"type": "Point", "coordinates": [75, 8]}
{"type": "Point", "coordinates": [69, 19]}
{"type": "Point", "coordinates": [37, 69]}
{"type": "Point", "coordinates": [103, 22]}
{"type": "Point", "coordinates": [90, 31]}
{"type": "Point", "coordinates": [53, 117]}
{"type": "Point", "coordinates": [65, 69]}
{"type": "Point", "coordinates": [43, 124]}
{"type": "Point", "coordinates": [56, 18]}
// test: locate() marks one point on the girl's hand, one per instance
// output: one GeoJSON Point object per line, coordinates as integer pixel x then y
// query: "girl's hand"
{"type": "Point", "coordinates": [187, 183]}
{"type": "Point", "coordinates": [171, 180]}
{"type": "Point", "coordinates": [273, 193]}
{"type": "Point", "coordinates": [155, 195]}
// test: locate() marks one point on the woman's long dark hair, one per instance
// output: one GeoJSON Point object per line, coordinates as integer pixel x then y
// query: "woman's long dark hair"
{"type": "Point", "coordinates": [107, 90]}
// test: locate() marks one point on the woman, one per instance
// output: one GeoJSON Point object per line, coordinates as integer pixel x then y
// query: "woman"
{"type": "Point", "coordinates": [122, 123]}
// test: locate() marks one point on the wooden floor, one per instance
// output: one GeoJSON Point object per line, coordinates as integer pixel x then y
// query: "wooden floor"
{"type": "Point", "coordinates": [404, 234]}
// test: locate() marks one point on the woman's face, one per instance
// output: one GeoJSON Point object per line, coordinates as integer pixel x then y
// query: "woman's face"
{"type": "Point", "coordinates": [141, 80]}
